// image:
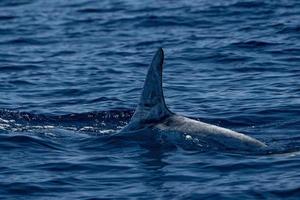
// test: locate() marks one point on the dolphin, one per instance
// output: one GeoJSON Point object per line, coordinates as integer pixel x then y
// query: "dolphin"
{"type": "Point", "coordinates": [152, 115]}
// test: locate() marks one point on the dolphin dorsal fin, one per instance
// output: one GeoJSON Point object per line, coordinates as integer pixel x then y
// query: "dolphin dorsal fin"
{"type": "Point", "coordinates": [152, 106]}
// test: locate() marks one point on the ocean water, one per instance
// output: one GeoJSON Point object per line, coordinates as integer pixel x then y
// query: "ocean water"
{"type": "Point", "coordinates": [71, 73]}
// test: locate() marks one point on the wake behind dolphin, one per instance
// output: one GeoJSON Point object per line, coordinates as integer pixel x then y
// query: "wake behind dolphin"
{"type": "Point", "coordinates": [152, 115]}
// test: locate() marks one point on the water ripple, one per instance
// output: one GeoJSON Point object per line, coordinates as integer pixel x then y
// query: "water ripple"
{"type": "Point", "coordinates": [71, 73]}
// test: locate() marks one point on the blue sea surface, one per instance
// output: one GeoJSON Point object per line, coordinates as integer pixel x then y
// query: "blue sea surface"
{"type": "Point", "coordinates": [71, 73]}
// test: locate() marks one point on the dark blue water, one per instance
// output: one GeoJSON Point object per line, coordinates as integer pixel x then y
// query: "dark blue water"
{"type": "Point", "coordinates": [71, 73]}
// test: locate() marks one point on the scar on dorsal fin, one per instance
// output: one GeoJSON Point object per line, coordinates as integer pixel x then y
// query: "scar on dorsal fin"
{"type": "Point", "coordinates": [152, 106]}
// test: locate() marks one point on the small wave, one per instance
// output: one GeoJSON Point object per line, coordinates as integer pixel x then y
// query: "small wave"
{"type": "Point", "coordinates": [19, 67]}
{"type": "Point", "coordinates": [290, 30]}
{"type": "Point", "coordinates": [98, 10]}
{"type": "Point", "coordinates": [253, 44]}
{"type": "Point", "coordinates": [248, 4]}
{"type": "Point", "coordinates": [8, 142]}
{"type": "Point", "coordinates": [8, 3]}
{"type": "Point", "coordinates": [21, 188]}
{"type": "Point", "coordinates": [166, 21]}
{"type": "Point", "coordinates": [6, 17]}
{"type": "Point", "coordinates": [21, 82]}
{"type": "Point", "coordinates": [28, 41]}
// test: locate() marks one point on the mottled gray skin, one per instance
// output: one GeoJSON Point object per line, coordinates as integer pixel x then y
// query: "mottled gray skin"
{"type": "Point", "coordinates": [210, 134]}
{"type": "Point", "coordinates": [152, 114]}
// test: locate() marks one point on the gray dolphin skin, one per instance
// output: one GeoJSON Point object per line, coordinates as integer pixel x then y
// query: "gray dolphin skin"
{"type": "Point", "coordinates": [152, 115]}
